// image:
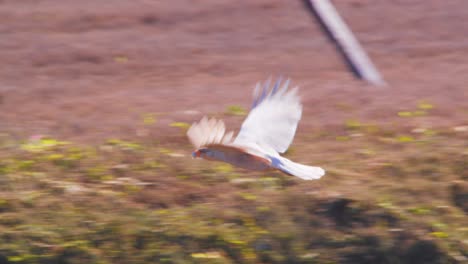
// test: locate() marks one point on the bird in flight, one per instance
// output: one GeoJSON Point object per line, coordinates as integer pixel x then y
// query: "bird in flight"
{"type": "Point", "coordinates": [267, 131]}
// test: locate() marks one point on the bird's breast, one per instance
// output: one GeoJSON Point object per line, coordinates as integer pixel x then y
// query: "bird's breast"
{"type": "Point", "coordinates": [239, 157]}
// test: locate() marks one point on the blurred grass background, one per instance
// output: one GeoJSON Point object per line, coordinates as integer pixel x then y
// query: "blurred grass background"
{"type": "Point", "coordinates": [388, 197]}
{"type": "Point", "coordinates": [96, 96]}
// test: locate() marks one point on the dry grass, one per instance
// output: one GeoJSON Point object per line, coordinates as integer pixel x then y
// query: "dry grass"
{"type": "Point", "coordinates": [391, 195]}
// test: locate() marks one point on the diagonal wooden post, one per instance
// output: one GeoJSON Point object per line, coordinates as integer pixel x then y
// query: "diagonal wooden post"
{"type": "Point", "coordinates": [345, 39]}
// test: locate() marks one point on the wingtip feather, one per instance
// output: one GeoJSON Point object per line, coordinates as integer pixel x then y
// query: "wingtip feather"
{"type": "Point", "coordinates": [208, 131]}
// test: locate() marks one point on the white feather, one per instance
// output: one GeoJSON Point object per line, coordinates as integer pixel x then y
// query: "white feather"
{"type": "Point", "coordinates": [299, 170]}
{"type": "Point", "coordinates": [220, 129]}
{"type": "Point", "coordinates": [208, 132]}
{"type": "Point", "coordinates": [273, 121]}
{"type": "Point", "coordinates": [228, 137]}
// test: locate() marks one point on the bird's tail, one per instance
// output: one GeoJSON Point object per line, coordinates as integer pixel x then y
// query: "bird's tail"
{"type": "Point", "coordinates": [302, 171]}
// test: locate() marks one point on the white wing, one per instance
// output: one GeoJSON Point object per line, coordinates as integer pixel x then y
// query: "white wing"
{"type": "Point", "coordinates": [210, 131]}
{"type": "Point", "coordinates": [272, 122]}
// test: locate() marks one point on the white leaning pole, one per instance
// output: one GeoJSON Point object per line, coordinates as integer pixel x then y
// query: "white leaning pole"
{"type": "Point", "coordinates": [346, 40]}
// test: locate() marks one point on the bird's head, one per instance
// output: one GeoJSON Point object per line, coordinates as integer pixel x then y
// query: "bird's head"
{"type": "Point", "coordinates": [196, 154]}
{"type": "Point", "coordinates": [199, 153]}
{"type": "Point", "coordinates": [202, 153]}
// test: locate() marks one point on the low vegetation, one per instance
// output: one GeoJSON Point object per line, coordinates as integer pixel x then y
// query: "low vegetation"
{"type": "Point", "coordinates": [391, 195]}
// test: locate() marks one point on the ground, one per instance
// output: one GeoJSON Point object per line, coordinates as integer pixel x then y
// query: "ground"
{"type": "Point", "coordinates": [99, 93]}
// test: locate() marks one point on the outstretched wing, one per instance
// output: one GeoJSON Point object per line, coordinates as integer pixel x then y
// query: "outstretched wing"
{"type": "Point", "coordinates": [207, 132]}
{"type": "Point", "coordinates": [273, 118]}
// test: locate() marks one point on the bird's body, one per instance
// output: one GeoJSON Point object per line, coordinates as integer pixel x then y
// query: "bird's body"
{"type": "Point", "coordinates": [267, 131]}
{"type": "Point", "coordinates": [235, 155]}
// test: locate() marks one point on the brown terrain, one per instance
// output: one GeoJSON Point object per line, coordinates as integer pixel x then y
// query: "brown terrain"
{"type": "Point", "coordinates": [140, 70]}
{"type": "Point", "coordinates": [87, 70]}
